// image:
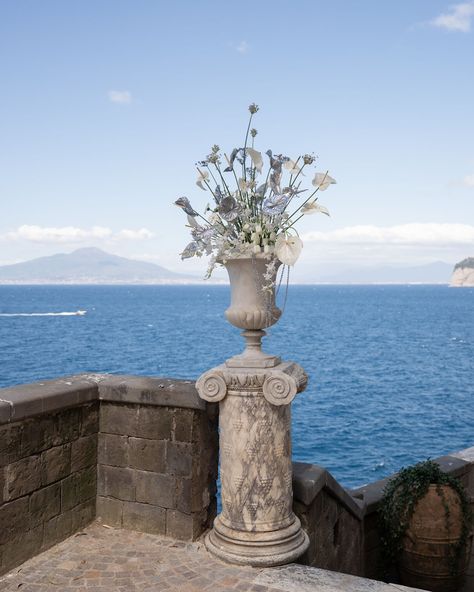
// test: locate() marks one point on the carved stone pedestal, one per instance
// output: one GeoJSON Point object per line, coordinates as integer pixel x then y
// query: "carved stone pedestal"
{"type": "Point", "coordinates": [257, 525]}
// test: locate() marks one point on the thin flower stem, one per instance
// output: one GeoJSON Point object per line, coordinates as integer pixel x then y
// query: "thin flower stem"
{"type": "Point", "coordinates": [297, 174]}
{"type": "Point", "coordinates": [223, 180]}
{"type": "Point", "coordinates": [245, 146]}
{"type": "Point", "coordinates": [307, 200]}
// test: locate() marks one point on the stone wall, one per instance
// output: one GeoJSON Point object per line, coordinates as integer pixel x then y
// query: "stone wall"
{"type": "Point", "coordinates": [332, 519]}
{"type": "Point", "coordinates": [47, 467]}
{"type": "Point", "coordinates": [156, 443]}
{"type": "Point", "coordinates": [157, 463]}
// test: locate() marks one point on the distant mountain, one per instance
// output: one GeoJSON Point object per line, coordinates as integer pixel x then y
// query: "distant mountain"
{"type": "Point", "coordinates": [432, 273]}
{"type": "Point", "coordinates": [463, 273]}
{"type": "Point", "coordinates": [89, 266]}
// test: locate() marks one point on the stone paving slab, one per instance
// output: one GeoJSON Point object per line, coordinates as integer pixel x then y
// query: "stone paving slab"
{"type": "Point", "coordinates": [104, 559]}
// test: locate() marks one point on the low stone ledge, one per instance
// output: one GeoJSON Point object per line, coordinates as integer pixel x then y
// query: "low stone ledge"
{"type": "Point", "coordinates": [308, 480]}
{"type": "Point", "coordinates": [163, 392]}
{"type": "Point", "coordinates": [27, 400]}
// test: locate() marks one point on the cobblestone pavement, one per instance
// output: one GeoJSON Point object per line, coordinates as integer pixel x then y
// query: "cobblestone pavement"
{"type": "Point", "coordinates": [103, 559]}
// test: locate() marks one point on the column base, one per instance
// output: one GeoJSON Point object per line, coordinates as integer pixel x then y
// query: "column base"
{"type": "Point", "coordinates": [257, 549]}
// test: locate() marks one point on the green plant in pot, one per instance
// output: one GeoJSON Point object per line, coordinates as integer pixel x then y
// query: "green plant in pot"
{"type": "Point", "coordinates": [425, 525]}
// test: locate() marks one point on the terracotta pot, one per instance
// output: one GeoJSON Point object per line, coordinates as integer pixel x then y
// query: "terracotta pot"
{"type": "Point", "coordinates": [426, 559]}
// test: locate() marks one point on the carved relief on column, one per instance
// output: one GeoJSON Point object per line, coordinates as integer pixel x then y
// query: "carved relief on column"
{"type": "Point", "coordinates": [255, 463]}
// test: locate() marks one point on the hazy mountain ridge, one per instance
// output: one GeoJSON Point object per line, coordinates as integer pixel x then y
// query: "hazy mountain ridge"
{"type": "Point", "coordinates": [89, 266]}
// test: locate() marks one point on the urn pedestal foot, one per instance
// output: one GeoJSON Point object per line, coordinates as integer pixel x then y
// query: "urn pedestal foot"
{"type": "Point", "coordinates": [257, 549]}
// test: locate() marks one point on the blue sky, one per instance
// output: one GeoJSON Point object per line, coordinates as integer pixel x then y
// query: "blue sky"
{"type": "Point", "coordinates": [107, 105]}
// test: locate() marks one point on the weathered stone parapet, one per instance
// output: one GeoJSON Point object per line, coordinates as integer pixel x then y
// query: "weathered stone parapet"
{"type": "Point", "coordinates": [47, 474]}
{"type": "Point", "coordinates": [157, 468]}
{"type": "Point", "coordinates": [331, 517]}
{"type": "Point", "coordinates": [156, 443]}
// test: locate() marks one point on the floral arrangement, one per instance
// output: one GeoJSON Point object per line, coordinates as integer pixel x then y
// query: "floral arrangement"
{"type": "Point", "coordinates": [254, 213]}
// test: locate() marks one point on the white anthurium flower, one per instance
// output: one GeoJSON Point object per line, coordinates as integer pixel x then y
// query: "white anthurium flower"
{"type": "Point", "coordinates": [292, 167]}
{"type": "Point", "coordinates": [322, 181]}
{"type": "Point", "coordinates": [256, 157]}
{"type": "Point", "coordinates": [314, 208]}
{"type": "Point", "coordinates": [203, 176]}
{"type": "Point", "coordinates": [288, 248]}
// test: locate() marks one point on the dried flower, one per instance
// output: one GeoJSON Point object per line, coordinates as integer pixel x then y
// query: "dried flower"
{"type": "Point", "coordinates": [253, 108]}
{"type": "Point", "coordinates": [253, 132]}
{"type": "Point", "coordinates": [308, 159]}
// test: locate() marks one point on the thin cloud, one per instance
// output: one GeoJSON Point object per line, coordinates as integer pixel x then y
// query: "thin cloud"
{"type": "Point", "coordinates": [122, 97]}
{"type": "Point", "coordinates": [469, 180]}
{"type": "Point", "coordinates": [429, 235]}
{"type": "Point", "coordinates": [243, 47]}
{"type": "Point", "coordinates": [457, 19]}
{"type": "Point", "coordinates": [142, 233]}
{"type": "Point", "coordinates": [72, 234]}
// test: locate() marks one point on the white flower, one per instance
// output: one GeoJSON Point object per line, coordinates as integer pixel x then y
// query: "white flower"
{"type": "Point", "coordinates": [288, 248]}
{"type": "Point", "coordinates": [313, 208]}
{"type": "Point", "coordinates": [256, 157]}
{"type": "Point", "coordinates": [203, 176]}
{"type": "Point", "coordinates": [322, 181]}
{"type": "Point", "coordinates": [292, 167]}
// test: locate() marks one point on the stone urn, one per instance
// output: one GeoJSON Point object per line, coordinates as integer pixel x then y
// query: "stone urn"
{"type": "Point", "coordinates": [257, 525]}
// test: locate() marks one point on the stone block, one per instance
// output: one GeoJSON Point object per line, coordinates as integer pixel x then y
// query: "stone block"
{"type": "Point", "coordinates": [179, 459]}
{"type": "Point", "coordinates": [14, 519]}
{"type": "Point", "coordinates": [78, 488]}
{"type": "Point", "coordinates": [144, 518]}
{"type": "Point", "coordinates": [113, 450]}
{"type": "Point", "coordinates": [20, 548]}
{"type": "Point", "coordinates": [84, 452]}
{"type": "Point", "coordinates": [90, 419]}
{"type": "Point", "coordinates": [83, 514]}
{"type": "Point", "coordinates": [156, 489]}
{"type": "Point", "coordinates": [55, 463]}
{"type": "Point", "coordinates": [22, 477]}
{"type": "Point", "coordinates": [147, 455]}
{"type": "Point", "coordinates": [184, 497]}
{"type": "Point", "coordinates": [117, 482]}
{"type": "Point", "coordinates": [45, 504]}
{"type": "Point", "coordinates": [109, 510]}
{"type": "Point", "coordinates": [183, 420]}
{"type": "Point", "coordinates": [67, 425]}
{"type": "Point", "coordinates": [155, 423]}
{"type": "Point", "coordinates": [185, 527]}
{"type": "Point", "coordinates": [10, 443]}
{"type": "Point", "coordinates": [118, 419]}
{"type": "Point", "coordinates": [150, 391]}
{"type": "Point", "coordinates": [57, 529]}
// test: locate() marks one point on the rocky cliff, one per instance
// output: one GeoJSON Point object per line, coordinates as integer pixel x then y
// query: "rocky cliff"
{"type": "Point", "coordinates": [463, 273]}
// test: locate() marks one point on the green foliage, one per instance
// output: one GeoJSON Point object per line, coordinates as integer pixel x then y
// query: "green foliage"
{"type": "Point", "coordinates": [396, 508]}
{"type": "Point", "coordinates": [469, 262]}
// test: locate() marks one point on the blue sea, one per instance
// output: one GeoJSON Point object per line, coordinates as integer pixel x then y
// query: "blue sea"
{"type": "Point", "coordinates": [391, 368]}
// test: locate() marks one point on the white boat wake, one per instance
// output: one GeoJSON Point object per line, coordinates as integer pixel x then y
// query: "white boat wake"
{"type": "Point", "coordinates": [77, 313]}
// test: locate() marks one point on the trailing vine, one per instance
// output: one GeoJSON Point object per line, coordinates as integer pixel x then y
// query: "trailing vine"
{"type": "Point", "coordinates": [402, 494]}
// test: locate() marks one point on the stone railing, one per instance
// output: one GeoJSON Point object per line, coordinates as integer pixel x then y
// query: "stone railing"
{"type": "Point", "coordinates": [141, 453]}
